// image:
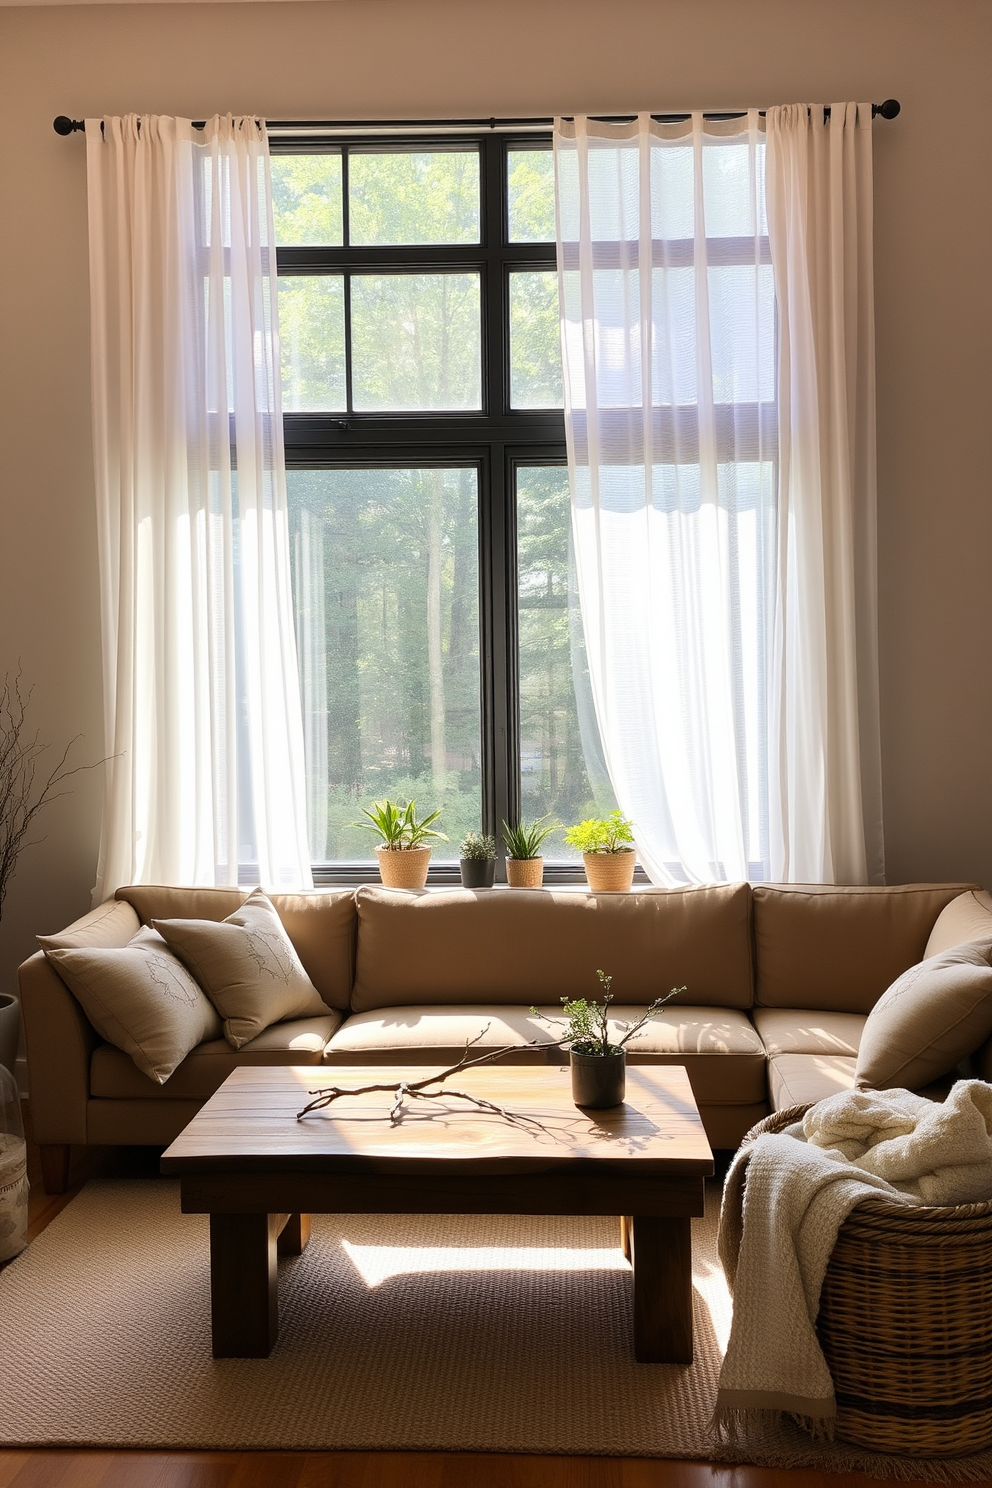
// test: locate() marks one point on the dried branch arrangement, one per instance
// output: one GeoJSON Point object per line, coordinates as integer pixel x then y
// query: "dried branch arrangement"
{"type": "Point", "coordinates": [414, 1089]}
{"type": "Point", "coordinates": [23, 789]}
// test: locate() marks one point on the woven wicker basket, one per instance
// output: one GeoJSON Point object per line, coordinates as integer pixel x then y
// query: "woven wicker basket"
{"type": "Point", "coordinates": [406, 869]}
{"type": "Point", "coordinates": [905, 1324]}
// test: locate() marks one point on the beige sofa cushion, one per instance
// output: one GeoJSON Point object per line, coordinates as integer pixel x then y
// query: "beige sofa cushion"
{"type": "Point", "coordinates": [523, 946]}
{"type": "Point", "coordinates": [799, 1031]}
{"type": "Point", "coordinates": [140, 997]}
{"type": "Point", "coordinates": [321, 926]}
{"type": "Point", "coordinates": [203, 1070]}
{"type": "Point", "coordinates": [718, 1047]}
{"type": "Point", "coordinates": [248, 967]}
{"type": "Point", "coordinates": [968, 917]}
{"type": "Point", "coordinates": [928, 1020]}
{"type": "Point", "coordinates": [801, 1079]}
{"type": "Point", "coordinates": [837, 949]}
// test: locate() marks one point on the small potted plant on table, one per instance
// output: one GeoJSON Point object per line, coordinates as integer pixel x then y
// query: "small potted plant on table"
{"type": "Point", "coordinates": [524, 864]}
{"type": "Point", "coordinates": [477, 860]}
{"type": "Point", "coordinates": [599, 1066]}
{"type": "Point", "coordinates": [606, 845]}
{"type": "Point", "coordinates": [404, 852]}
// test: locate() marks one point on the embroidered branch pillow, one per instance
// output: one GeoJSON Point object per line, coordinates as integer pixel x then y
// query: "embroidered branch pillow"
{"type": "Point", "coordinates": [248, 967]}
{"type": "Point", "coordinates": [139, 997]}
{"type": "Point", "coordinates": [931, 1017]}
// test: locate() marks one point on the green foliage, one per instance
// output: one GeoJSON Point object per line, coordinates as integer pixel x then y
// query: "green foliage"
{"type": "Point", "coordinates": [531, 195]}
{"type": "Point", "coordinates": [525, 839]}
{"type": "Point", "coordinates": [608, 834]}
{"type": "Point", "coordinates": [306, 199]}
{"type": "Point", "coordinates": [397, 825]}
{"type": "Point", "coordinates": [587, 1029]}
{"type": "Point", "coordinates": [386, 560]}
{"type": "Point", "coordinates": [478, 847]}
{"type": "Point", "coordinates": [563, 774]}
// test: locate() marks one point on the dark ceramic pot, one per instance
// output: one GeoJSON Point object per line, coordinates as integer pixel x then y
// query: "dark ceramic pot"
{"type": "Point", "coordinates": [477, 873]}
{"type": "Point", "coordinates": [598, 1080]}
{"type": "Point", "coordinates": [10, 1030]}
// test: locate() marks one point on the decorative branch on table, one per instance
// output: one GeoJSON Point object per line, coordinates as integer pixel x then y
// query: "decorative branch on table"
{"type": "Point", "coordinates": [414, 1089]}
{"type": "Point", "coordinates": [587, 1023]}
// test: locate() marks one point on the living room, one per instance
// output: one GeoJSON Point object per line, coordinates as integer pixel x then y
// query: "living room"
{"type": "Point", "coordinates": [383, 59]}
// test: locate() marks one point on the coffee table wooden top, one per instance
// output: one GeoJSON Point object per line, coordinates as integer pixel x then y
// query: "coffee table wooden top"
{"type": "Point", "coordinates": [250, 1124]}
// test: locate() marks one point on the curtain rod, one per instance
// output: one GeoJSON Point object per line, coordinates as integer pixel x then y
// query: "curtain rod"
{"type": "Point", "coordinates": [64, 125]}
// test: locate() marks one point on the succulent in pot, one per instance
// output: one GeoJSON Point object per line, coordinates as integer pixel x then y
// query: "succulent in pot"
{"type": "Point", "coordinates": [607, 847]}
{"type": "Point", "coordinates": [477, 860]}
{"type": "Point", "coordinates": [597, 1052]}
{"type": "Point", "coordinates": [404, 851]}
{"type": "Point", "coordinates": [524, 863]}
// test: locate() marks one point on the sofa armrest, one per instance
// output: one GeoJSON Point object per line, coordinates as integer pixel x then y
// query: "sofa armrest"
{"type": "Point", "coordinates": [60, 1040]}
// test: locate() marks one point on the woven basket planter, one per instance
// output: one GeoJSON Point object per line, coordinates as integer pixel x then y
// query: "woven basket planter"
{"type": "Point", "coordinates": [525, 873]}
{"type": "Point", "coordinates": [610, 873]}
{"type": "Point", "coordinates": [905, 1324]}
{"type": "Point", "coordinates": [403, 868]}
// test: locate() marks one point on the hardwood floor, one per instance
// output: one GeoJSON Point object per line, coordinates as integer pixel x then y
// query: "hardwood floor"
{"type": "Point", "coordinates": [101, 1469]}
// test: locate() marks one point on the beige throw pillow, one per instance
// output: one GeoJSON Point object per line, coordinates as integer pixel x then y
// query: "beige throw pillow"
{"type": "Point", "coordinates": [931, 1016]}
{"type": "Point", "coordinates": [968, 917]}
{"type": "Point", "coordinates": [139, 997]}
{"type": "Point", "coordinates": [248, 967]}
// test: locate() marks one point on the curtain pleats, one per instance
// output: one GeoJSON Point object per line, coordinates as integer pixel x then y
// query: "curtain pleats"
{"type": "Point", "coordinates": [202, 709]}
{"type": "Point", "coordinates": [721, 460]}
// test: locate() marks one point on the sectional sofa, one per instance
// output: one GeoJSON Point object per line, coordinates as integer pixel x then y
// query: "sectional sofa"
{"type": "Point", "coordinates": [779, 982]}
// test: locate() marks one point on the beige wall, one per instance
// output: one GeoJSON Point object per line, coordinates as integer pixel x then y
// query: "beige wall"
{"type": "Point", "coordinates": [396, 58]}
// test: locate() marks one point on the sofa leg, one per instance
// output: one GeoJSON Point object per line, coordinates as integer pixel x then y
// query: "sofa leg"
{"type": "Point", "coordinates": [55, 1166]}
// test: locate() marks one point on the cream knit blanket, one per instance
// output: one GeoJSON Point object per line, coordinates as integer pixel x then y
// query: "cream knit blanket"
{"type": "Point", "coordinates": [784, 1201]}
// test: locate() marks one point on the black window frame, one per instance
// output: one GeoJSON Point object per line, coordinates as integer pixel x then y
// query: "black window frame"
{"type": "Point", "coordinates": [495, 440]}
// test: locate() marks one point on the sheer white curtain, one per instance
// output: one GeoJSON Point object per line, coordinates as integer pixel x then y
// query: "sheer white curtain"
{"type": "Point", "coordinates": [825, 793]}
{"type": "Point", "coordinates": [695, 580]}
{"type": "Point", "coordinates": [202, 708]}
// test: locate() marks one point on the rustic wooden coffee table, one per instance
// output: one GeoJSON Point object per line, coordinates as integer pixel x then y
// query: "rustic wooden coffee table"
{"type": "Point", "coordinates": [259, 1173]}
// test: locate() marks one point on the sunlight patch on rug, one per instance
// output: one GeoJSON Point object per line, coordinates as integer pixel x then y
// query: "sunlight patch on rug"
{"type": "Point", "coordinates": [379, 1263]}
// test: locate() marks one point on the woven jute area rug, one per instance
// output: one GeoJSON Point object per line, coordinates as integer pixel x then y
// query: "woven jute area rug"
{"type": "Point", "coordinates": [501, 1334]}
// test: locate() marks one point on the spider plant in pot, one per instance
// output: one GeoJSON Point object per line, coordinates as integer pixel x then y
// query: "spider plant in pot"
{"type": "Point", "coordinates": [524, 864]}
{"type": "Point", "coordinates": [404, 851]}
{"type": "Point", "coordinates": [606, 845]}
{"type": "Point", "coordinates": [477, 860]}
{"type": "Point", "coordinates": [597, 1053]}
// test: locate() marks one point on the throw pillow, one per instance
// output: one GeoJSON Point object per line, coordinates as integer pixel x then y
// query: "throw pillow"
{"type": "Point", "coordinates": [139, 997]}
{"type": "Point", "coordinates": [248, 967]}
{"type": "Point", "coordinates": [930, 1017]}
{"type": "Point", "coordinates": [968, 917]}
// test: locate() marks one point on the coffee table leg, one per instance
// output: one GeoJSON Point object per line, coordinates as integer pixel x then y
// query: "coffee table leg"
{"type": "Point", "coordinates": [294, 1235]}
{"type": "Point", "coordinates": [661, 1257]}
{"type": "Point", "coordinates": [244, 1298]}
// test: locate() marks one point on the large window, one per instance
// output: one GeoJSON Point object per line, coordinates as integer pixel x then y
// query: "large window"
{"type": "Point", "coordinates": [440, 645]}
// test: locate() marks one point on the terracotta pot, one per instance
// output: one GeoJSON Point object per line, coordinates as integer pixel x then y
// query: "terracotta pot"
{"type": "Point", "coordinates": [525, 873]}
{"type": "Point", "coordinates": [610, 873]}
{"type": "Point", "coordinates": [598, 1080]}
{"type": "Point", "coordinates": [403, 867]}
{"type": "Point", "coordinates": [477, 873]}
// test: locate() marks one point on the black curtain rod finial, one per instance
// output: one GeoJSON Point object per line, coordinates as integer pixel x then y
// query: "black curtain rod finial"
{"type": "Point", "coordinates": [64, 125]}
{"type": "Point", "coordinates": [888, 110]}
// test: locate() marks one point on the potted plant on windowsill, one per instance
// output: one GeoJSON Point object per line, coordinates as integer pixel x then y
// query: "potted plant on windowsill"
{"type": "Point", "coordinates": [524, 864]}
{"type": "Point", "coordinates": [598, 1064]}
{"type": "Point", "coordinates": [404, 852]}
{"type": "Point", "coordinates": [477, 860]}
{"type": "Point", "coordinates": [606, 845]}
